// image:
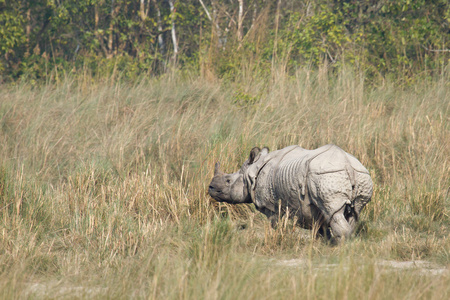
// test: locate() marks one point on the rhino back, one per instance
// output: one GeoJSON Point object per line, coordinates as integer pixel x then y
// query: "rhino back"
{"type": "Point", "coordinates": [356, 164]}
{"type": "Point", "coordinates": [331, 158]}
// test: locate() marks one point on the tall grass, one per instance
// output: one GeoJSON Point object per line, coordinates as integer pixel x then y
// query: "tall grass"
{"type": "Point", "coordinates": [103, 187]}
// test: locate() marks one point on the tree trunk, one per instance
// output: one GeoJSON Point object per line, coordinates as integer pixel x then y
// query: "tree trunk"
{"type": "Point", "coordinates": [28, 31]}
{"type": "Point", "coordinates": [173, 31]}
{"type": "Point", "coordinates": [158, 20]}
{"type": "Point", "coordinates": [111, 28]}
{"type": "Point", "coordinates": [221, 38]}
{"type": "Point", "coordinates": [215, 19]}
{"type": "Point", "coordinates": [254, 15]}
{"type": "Point", "coordinates": [240, 31]}
{"type": "Point", "coordinates": [277, 19]}
{"type": "Point", "coordinates": [97, 34]}
{"type": "Point", "coordinates": [215, 23]}
{"type": "Point", "coordinates": [142, 10]}
{"type": "Point", "coordinates": [95, 17]}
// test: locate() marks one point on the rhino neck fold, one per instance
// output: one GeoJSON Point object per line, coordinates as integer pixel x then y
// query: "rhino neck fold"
{"type": "Point", "coordinates": [261, 189]}
{"type": "Point", "coordinates": [277, 162]}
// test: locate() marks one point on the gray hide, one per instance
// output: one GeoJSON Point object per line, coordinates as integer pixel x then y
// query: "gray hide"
{"type": "Point", "coordinates": [325, 186]}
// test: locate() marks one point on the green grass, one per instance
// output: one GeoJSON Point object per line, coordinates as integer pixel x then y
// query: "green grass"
{"type": "Point", "coordinates": [103, 187]}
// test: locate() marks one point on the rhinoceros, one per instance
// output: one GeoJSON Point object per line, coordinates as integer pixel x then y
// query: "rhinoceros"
{"type": "Point", "coordinates": [325, 188]}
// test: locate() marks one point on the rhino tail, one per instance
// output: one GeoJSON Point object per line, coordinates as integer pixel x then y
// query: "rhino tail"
{"type": "Point", "coordinates": [352, 177]}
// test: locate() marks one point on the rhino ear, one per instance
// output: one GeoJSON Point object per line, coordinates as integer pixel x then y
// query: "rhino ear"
{"type": "Point", "coordinates": [216, 169]}
{"type": "Point", "coordinates": [253, 155]}
{"type": "Point", "coordinates": [265, 151]}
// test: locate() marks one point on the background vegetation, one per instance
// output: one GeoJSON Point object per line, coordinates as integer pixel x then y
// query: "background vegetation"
{"type": "Point", "coordinates": [380, 38]}
{"type": "Point", "coordinates": [110, 129]}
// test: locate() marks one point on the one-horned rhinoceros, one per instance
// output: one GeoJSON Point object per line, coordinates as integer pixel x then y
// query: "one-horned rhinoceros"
{"type": "Point", "coordinates": [325, 187]}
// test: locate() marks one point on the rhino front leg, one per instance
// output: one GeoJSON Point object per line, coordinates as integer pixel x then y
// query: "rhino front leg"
{"type": "Point", "coordinates": [273, 221]}
{"type": "Point", "coordinates": [340, 227]}
{"type": "Point", "coordinates": [272, 216]}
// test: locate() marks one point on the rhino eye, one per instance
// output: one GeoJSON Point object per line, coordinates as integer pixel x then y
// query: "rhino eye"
{"type": "Point", "coordinates": [228, 181]}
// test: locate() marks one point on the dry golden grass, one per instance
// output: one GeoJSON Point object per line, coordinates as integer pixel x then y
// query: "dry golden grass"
{"type": "Point", "coordinates": [103, 187]}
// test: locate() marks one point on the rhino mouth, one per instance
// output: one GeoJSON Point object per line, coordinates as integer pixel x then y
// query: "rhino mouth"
{"type": "Point", "coordinates": [215, 193]}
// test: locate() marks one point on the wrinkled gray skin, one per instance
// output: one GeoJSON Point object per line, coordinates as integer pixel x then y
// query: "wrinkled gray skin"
{"type": "Point", "coordinates": [325, 188]}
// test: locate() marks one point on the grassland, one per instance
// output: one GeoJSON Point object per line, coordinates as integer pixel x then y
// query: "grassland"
{"type": "Point", "coordinates": [103, 187]}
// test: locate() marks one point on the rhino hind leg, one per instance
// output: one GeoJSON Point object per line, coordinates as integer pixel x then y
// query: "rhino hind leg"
{"type": "Point", "coordinates": [351, 216]}
{"type": "Point", "coordinates": [325, 232]}
{"type": "Point", "coordinates": [342, 225]}
{"type": "Point", "coordinates": [364, 190]}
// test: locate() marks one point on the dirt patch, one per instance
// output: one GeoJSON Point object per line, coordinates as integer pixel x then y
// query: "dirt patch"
{"type": "Point", "coordinates": [425, 267]}
{"type": "Point", "coordinates": [56, 290]}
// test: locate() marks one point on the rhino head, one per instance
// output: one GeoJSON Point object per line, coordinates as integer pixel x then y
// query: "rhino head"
{"type": "Point", "coordinates": [233, 188]}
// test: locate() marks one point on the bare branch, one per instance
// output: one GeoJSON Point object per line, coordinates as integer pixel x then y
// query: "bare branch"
{"type": "Point", "coordinates": [433, 50]}
{"type": "Point", "coordinates": [231, 17]}
{"type": "Point", "coordinates": [160, 29]}
{"type": "Point", "coordinates": [206, 10]}
{"type": "Point", "coordinates": [333, 60]}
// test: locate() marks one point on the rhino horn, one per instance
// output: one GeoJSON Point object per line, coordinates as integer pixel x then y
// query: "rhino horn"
{"type": "Point", "coordinates": [217, 169]}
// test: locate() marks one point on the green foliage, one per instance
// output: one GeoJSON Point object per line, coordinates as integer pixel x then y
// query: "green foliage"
{"type": "Point", "coordinates": [242, 99]}
{"type": "Point", "coordinates": [396, 37]}
{"type": "Point", "coordinates": [321, 37]}
{"type": "Point", "coordinates": [12, 33]}
{"type": "Point", "coordinates": [48, 38]}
